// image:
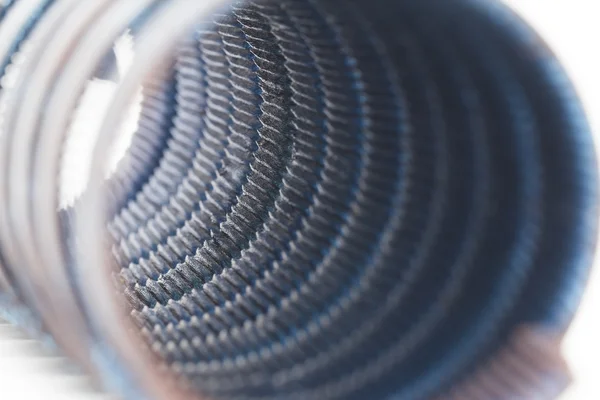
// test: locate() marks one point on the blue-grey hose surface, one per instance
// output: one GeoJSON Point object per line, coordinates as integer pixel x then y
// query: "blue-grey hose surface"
{"type": "Point", "coordinates": [353, 199]}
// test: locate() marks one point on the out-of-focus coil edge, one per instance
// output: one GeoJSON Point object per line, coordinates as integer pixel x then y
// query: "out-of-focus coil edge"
{"type": "Point", "coordinates": [324, 199]}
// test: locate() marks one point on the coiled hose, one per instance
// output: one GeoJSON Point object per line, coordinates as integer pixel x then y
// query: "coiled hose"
{"type": "Point", "coordinates": [324, 199]}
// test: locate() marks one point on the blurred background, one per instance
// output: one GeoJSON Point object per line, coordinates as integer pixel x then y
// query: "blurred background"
{"type": "Point", "coordinates": [571, 29]}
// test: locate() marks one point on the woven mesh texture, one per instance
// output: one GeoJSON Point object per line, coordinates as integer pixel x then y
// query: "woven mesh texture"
{"type": "Point", "coordinates": [352, 199]}
{"type": "Point", "coordinates": [356, 199]}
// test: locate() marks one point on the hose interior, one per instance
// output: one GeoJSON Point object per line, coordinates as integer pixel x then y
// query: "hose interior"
{"type": "Point", "coordinates": [352, 199]}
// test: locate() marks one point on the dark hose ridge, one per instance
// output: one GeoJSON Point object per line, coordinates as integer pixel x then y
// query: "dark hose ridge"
{"type": "Point", "coordinates": [453, 151]}
{"type": "Point", "coordinates": [352, 199]}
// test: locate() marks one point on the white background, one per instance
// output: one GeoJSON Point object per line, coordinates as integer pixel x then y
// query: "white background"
{"type": "Point", "coordinates": [572, 28]}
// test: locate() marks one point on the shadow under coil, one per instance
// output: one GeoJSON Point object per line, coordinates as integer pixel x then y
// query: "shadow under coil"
{"type": "Point", "coordinates": [333, 199]}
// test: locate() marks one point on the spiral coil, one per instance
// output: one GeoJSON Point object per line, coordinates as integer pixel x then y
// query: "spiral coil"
{"type": "Point", "coordinates": [323, 198]}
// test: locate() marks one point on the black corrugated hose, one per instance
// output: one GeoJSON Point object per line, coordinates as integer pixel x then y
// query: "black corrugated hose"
{"type": "Point", "coordinates": [324, 199]}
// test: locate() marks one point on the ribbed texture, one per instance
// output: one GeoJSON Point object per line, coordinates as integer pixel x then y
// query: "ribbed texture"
{"type": "Point", "coordinates": [354, 199]}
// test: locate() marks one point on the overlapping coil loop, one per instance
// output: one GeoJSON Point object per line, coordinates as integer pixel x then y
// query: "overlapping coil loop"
{"type": "Point", "coordinates": [324, 199]}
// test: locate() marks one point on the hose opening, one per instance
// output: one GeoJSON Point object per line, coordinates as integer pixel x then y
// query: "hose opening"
{"type": "Point", "coordinates": [329, 199]}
